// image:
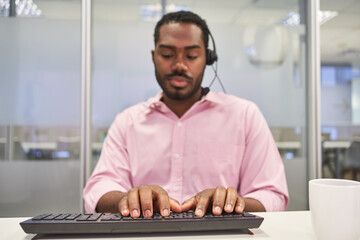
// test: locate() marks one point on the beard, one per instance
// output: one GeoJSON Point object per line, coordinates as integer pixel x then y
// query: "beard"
{"type": "Point", "coordinates": [175, 93]}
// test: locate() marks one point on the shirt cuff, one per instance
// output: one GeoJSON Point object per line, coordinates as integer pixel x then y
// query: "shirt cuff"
{"type": "Point", "coordinates": [99, 189]}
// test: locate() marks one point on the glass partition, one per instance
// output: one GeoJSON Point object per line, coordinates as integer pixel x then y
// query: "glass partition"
{"type": "Point", "coordinates": [40, 109]}
{"type": "Point", "coordinates": [340, 91]}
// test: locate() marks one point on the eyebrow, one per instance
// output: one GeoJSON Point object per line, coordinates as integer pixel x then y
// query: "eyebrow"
{"type": "Point", "coordinates": [172, 47]}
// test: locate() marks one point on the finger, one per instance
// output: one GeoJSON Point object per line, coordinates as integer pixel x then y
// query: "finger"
{"type": "Point", "coordinates": [124, 206]}
{"type": "Point", "coordinates": [146, 201]}
{"type": "Point", "coordinates": [189, 204]}
{"type": "Point", "coordinates": [231, 199]}
{"type": "Point", "coordinates": [133, 201]}
{"type": "Point", "coordinates": [203, 200]}
{"type": "Point", "coordinates": [175, 205]}
{"type": "Point", "coordinates": [162, 200]}
{"type": "Point", "coordinates": [240, 205]}
{"type": "Point", "coordinates": [218, 200]}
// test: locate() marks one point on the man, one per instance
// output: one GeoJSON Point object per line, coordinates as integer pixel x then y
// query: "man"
{"type": "Point", "coordinates": [213, 150]}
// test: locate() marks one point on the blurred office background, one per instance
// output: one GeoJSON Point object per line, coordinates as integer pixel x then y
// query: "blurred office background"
{"type": "Point", "coordinates": [262, 47]}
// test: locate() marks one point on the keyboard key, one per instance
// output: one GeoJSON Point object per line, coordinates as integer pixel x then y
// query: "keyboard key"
{"type": "Point", "coordinates": [116, 218]}
{"type": "Point", "coordinates": [83, 217]}
{"type": "Point", "coordinates": [94, 217]}
{"type": "Point", "coordinates": [61, 217]}
{"type": "Point", "coordinates": [157, 216]}
{"type": "Point", "coordinates": [246, 214]}
{"type": "Point", "coordinates": [40, 217]}
{"type": "Point", "coordinates": [128, 218]}
{"type": "Point", "coordinates": [51, 217]}
{"type": "Point", "coordinates": [72, 216]}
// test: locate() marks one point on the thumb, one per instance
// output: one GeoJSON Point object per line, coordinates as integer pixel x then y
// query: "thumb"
{"type": "Point", "coordinates": [189, 204]}
{"type": "Point", "coordinates": [175, 205]}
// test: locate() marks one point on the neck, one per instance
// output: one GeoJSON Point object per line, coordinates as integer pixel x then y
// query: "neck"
{"type": "Point", "coordinates": [180, 107]}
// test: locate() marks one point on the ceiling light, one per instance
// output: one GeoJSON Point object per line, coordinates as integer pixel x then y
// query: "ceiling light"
{"type": "Point", "coordinates": [24, 8]}
{"type": "Point", "coordinates": [325, 16]}
{"type": "Point", "coordinates": [292, 19]}
{"type": "Point", "coordinates": [350, 53]}
{"type": "Point", "coordinates": [153, 12]}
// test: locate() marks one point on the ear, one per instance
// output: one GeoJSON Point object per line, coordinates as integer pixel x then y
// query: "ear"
{"type": "Point", "coordinates": [152, 55]}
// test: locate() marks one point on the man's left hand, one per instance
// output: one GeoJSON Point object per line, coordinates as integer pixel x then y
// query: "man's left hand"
{"type": "Point", "coordinates": [218, 199]}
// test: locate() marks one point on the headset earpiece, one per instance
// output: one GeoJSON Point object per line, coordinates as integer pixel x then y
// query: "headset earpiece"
{"type": "Point", "coordinates": [211, 57]}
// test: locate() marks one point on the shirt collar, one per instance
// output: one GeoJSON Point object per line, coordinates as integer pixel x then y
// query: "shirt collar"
{"type": "Point", "coordinates": [156, 103]}
{"type": "Point", "coordinates": [212, 97]}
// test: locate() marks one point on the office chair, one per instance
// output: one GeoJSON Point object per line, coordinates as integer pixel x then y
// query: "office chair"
{"type": "Point", "coordinates": [2, 150]}
{"type": "Point", "coordinates": [351, 163]}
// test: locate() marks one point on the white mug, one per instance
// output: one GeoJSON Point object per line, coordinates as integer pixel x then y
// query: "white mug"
{"type": "Point", "coordinates": [335, 208]}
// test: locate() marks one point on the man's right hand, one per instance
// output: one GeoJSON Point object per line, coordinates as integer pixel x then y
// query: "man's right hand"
{"type": "Point", "coordinates": [145, 199]}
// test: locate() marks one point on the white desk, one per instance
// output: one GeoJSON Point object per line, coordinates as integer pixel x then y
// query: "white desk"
{"type": "Point", "coordinates": [51, 145]}
{"type": "Point", "coordinates": [39, 145]}
{"type": "Point", "coordinates": [296, 145]}
{"type": "Point", "coordinates": [294, 225]}
{"type": "Point", "coordinates": [336, 144]}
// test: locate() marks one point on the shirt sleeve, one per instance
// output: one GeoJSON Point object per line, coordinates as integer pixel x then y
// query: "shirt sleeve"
{"type": "Point", "coordinates": [112, 172]}
{"type": "Point", "coordinates": [262, 172]}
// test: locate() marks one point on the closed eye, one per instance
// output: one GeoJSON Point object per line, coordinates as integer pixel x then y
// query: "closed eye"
{"type": "Point", "coordinates": [167, 56]}
{"type": "Point", "coordinates": [191, 57]}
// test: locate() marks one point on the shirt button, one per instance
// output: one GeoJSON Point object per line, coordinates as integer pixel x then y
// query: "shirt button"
{"type": "Point", "coordinates": [175, 189]}
{"type": "Point", "coordinates": [177, 155]}
{"type": "Point", "coordinates": [179, 124]}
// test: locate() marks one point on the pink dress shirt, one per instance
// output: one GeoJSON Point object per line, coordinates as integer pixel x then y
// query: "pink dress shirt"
{"type": "Point", "coordinates": [221, 140]}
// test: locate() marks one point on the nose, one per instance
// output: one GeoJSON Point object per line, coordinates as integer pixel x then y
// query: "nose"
{"type": "Point", "coordinates": [179, 66]}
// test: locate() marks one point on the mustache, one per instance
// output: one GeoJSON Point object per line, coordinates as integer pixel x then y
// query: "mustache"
{"type": "Point", "coordinates": [178, 75]}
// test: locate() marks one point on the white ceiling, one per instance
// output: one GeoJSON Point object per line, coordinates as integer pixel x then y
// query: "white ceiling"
{"type": "Point", "coordinates": [340, 34]}
{"type": "Point", "coordinates": [343, 32]}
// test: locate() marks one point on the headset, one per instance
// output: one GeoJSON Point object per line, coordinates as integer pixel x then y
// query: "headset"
{"type": "Point", "coordinates": [211, 55]}
{"type": "Point", "coordinates": [211, 58]}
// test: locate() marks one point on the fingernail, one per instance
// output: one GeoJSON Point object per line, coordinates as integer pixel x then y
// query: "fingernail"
{"type": "Point", "coordinates": [239, 208]}
{"type": "Point", "coordinates": [125, 212]}
{"type": "Point", "coordinates": [228, 207]}
{"type": "Point", "coordinates": [199, 212]}
{"type": "Point", "coordinates": [165, 212]}
{"type": "Point", "coordinates": [147, 213]}
{"type": "Point", "coordinates": [135, 213]}
{"type": "Point", "coordinates": [217, 209]}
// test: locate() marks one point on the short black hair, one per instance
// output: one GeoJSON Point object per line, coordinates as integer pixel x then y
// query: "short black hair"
{"type": "Point", "coordinates": [183, 17]}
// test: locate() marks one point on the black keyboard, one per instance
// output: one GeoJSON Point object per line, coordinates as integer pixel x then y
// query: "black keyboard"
{"type": "Point", "coordinates": [116, 223]}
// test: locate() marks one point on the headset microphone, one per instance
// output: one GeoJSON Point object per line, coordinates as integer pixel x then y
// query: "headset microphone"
{"type": "Point", "coordinates": [205, 91]}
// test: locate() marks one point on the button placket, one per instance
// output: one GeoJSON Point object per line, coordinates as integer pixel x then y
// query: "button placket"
{"type": "Point", "coordinates": [178, 141]}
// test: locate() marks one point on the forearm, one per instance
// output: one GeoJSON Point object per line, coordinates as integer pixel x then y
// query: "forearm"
{"type": "Point", "coordinates": [253, 205]}
{"type": "Point", "coordinates": [110, 202]}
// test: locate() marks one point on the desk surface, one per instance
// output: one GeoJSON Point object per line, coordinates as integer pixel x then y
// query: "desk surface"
{"type": "Point", "coordinates": [336, 144]}
{"type": "Point", "coordinates": [294, 225]}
